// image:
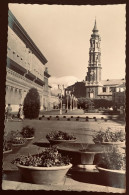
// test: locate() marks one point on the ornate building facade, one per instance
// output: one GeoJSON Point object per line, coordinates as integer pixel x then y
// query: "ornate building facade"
{"type": "Point", "coordinates": [93, 78]}
{"type": "Point", "coordinates": [26, 67]}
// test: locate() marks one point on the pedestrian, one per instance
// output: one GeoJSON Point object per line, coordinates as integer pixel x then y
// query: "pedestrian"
{"type": "Point", "coordinates": [9, 112]}
{"type": "Point", "coordinates": [20, 112]}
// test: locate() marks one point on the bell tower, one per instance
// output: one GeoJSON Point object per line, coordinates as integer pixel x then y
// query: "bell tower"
{"type": "Point", "coordinates": [93, 77]}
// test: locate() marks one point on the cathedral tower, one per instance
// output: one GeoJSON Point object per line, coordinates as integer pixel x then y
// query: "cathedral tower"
{"type": "Point", "coordinates": [93, 78]}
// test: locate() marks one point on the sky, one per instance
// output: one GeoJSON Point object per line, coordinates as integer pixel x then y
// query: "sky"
{"type": "Point", "coordinates": [62, 33]}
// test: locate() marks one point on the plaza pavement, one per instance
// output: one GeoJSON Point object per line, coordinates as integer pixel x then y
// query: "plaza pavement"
{"type": "Point", "coordinates": [82, 130]}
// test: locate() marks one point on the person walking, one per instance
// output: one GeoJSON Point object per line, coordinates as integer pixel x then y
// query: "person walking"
{"type": "Point", "coordinates": [20, 112]}
{"type": "Point", "coordinates": [9, 112]}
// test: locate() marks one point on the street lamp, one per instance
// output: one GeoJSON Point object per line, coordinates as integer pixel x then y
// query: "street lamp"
{"type": "Point", "coordinates": [61, 96]}
{"type": "Point", "coordinates": [67, 96]}
{"type": "Point", "coordinates": [71, 98]}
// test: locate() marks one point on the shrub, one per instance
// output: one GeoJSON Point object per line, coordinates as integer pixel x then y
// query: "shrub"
{"type": "Point", "coordinates": [48, 158]}
{"type": "Point", "coordinates": [31, 105]}
{"type": "Point", "coordinates": [99, 103]}
{"type": "Point", "coordinates": [15, 137]}
{"type": "Point", "coordinates": [27, 132]}
{"type": "Point", "coordinates": [84, 103]}
{"type": "Point", "coordinates": [6, 145]}
{"type": "Point", "coordinates": [109, 136]}
{"type": "Point", "coordinates": [114, 160]}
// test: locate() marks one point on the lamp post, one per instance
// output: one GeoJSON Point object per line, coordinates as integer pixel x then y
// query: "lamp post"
{"type": "Point", "coordinates": [73, 101]}
{"type": "Point", "coordinates": [71, 98]}
{"type": "Point", "coordinates": [61, 96]}
{"type": "Point", "coordinates": [67, 96]}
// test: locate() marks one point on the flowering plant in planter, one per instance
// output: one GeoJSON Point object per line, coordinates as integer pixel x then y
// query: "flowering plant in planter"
{"type": "Point", "coordinates": [27, 132]}
{"type": "Point", "coordinates": [59, 135]}
{"type": "Point", "coordinates": [47, 167]}
{"type": "Point", "coordinates": [48, 158]}
{"type": "Point", "coordinates": [7, 146]}
{"type": "Point", "coordinates": [18, 141]}
{"type": "Point", "coordinates": [112, 167]}
{"type": "Point", "coordinates": [15, 138]}
{"type": "Point", "coordinates": [114, 160]}
{"type": "Point", "coordinates": [109, 136]}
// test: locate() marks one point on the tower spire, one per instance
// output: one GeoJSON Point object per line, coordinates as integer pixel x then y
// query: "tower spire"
{"type": "Point", "coordinates": [95, 27]}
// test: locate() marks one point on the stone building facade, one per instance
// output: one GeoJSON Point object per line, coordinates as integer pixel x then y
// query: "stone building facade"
{"type": "Point", "coordinates": [119, 96]}
{"type": "Point", "coordinates": [26, 66]}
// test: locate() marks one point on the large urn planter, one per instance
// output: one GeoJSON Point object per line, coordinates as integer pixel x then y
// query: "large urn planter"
{"type": "Point", "coordinates": [47, 167]}
{"type": "Point", "coordinates": [114, 178]}
{"type": "Point", "coordinates": [112, 168]}
{"type": "Point", "coordinates": [43, 175]}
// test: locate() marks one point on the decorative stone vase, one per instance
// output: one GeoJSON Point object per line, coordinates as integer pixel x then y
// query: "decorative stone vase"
{"type": "Point", "coordinates": [87, 158]}
{"type": "Point", "coordinates": [114, 178]}
{"type": "Point", "coordinates": [43, 175]}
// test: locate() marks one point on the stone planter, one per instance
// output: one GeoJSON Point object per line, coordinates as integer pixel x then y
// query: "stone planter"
{"type": "Point", "coordinates": [87, 158]}
{"type": "Point", "coordinates": [17, 145]}
{"type": "Point", "coordinates": [114, 178]}
{"type": "Point", "coordinates": [53, 142]}
{"type": "Point", "coordinates": [43, 175]}
{"type": "Point", "coordinates": [29, 138]}
{"type": "Point", "coordinates": [114, 143]}
{"type": "Point", "coordinates": [7, 151]}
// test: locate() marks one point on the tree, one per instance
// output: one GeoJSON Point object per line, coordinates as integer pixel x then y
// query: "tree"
{"type": "Point", "coordinates": [102, 103]}
{"type": "Point", "coordinates": [84, 103]}
{"type": "Point", "coordinates": [31, 105]}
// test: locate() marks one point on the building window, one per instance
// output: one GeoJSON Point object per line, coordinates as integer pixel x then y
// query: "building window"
{"type": "Point", "coordinates": [104, 89]}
